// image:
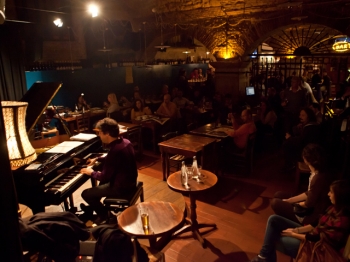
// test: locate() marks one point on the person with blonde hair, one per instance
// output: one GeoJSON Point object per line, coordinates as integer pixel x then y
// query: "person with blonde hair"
{"type": "Point", "coordinates": [113, 104]}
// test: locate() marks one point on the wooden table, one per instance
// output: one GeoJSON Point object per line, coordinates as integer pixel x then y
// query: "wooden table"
{"type": "Point", "coordinates": [174, 182]}
{"type": "Point", "coordinates": [211, 130]}
{"type": "Point", "coordinates": [164, 219]}
{"type": "Point", "coordinates": [186, 145]}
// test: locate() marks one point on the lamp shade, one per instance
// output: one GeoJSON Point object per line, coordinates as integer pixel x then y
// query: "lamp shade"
{"type": "Point", "coordinates": [20, 150]}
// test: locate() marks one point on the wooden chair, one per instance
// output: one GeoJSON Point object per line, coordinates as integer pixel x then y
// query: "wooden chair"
{"type": "Point", "coordinates": [119, 204]}
{"type": "Point", "coordinates": [174, 160]}
{"type": "Point", "coordinates": [82, 123]}
{"type": "Point", "coordinates": [245, 158]}
{"type": "Point", "coordinates": [134, 135]}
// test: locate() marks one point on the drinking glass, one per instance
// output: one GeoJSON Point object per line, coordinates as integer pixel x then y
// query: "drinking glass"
{"type": "Point", "coordinates": [144, 218]}
{"type": "Point", "coordinates": [189, 170]}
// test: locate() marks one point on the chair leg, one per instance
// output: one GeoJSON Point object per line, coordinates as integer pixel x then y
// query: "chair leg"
{"type": "Point", "coordinates": [142, 197]}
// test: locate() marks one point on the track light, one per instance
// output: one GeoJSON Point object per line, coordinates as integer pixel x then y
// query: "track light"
{"type": "Point", "coordinates": [58, 22]}
{"type": "Point", "coordinates": [93, 9]}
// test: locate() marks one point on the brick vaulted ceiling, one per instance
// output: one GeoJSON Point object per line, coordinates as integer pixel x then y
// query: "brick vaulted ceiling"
{"type": "Point", "coordinates": [235, 25]}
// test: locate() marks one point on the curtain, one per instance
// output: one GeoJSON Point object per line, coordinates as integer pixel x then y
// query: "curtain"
{"type": "Point", "coordinates": [12, 70]}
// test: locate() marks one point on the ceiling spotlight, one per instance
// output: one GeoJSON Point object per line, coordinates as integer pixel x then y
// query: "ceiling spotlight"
{"type": "Point", "coordinates": [93, 10]}
{"type": "Point", "coordinates": [58, 22]}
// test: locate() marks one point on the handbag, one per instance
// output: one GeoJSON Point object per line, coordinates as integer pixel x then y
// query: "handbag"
{"type": "Point", "coordinates": [319, 251]}
{"type": "Point", "coordinates": [302, 211]}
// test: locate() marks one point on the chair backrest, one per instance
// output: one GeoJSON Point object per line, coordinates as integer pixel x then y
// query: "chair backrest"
{"type": "Point", "coordinates": [83, 123]}
{"type": "Point", "coordinates": [169, 135]}
{"type": "Point", "coordinates": [134, 135]}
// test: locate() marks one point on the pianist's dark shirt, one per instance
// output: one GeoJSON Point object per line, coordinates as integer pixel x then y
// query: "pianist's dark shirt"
{"type": "Point", "coordinates": [119, 167]}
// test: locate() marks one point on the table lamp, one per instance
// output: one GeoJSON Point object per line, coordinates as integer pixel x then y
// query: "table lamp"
{"type": "Point", "coordinates": [19, 148]}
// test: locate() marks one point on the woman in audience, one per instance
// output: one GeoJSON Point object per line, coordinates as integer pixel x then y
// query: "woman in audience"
{"type": "Point", "coordinates": [139, 110]}
{"type": "Point", "coordinates": [333, 226]}
{"type": "Point", "coordinates": [82, 104]}
{"type": "Point", "coordinates": [306, 132]}
{"type": "Point", "coordinates": [113, 104]}
{"type": "Point", "coordinates": [315, 199]}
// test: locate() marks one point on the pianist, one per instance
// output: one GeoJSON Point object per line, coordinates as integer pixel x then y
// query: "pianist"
{"type": "Point", "coordinates": [119, 174]}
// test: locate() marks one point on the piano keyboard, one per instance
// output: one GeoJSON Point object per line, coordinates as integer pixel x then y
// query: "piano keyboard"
{"type": "Point", "coordinates": [63, 181]}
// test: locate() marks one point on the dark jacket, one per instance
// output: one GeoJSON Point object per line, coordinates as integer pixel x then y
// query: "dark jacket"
{"type": "Point", "coordinates": [55, 235]}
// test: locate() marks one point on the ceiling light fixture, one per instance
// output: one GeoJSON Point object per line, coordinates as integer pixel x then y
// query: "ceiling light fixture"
{"type": "Point", "coordinates": [58, 22]}
{"type": "Point", "coordinates": [93, 10]}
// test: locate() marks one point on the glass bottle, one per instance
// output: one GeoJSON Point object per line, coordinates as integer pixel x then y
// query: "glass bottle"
{"type": "Point", "coordinates": [184, 177]}
{"type": "Point", "coordinates": [195, 168]}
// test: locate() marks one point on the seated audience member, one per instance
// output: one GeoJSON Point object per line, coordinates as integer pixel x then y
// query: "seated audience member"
{"type": "Point", "coordinates": [266, 117]}
{"type": "Point", "coordinates": [315, 198]}
{"type": "Point", "coordinates": [317, 110]}
{"type": "Point", "coordinates": [165, 91]}
{"type": "Point", "coordinates": [136, 95]}
{"type": "Point", "coordinates": [197, 97]}
{"type": "Point", "coordinates": [173, 93]}
{"type": "Point", "coordinates": [124, 102]}
{"type": "Point", "coordinates": [180, 101]}
{"type": "Point", "coordinates": [82, 104]}
{"type": "Point", "coordinates": [119, 173]}
{"type": "Point", "coordinates": [194, 74]}
{"type": "Point", "coordinates": [139, 110]}
{"type": "Point", "coordinates": [240, 133]}
{"type": "Point", "coordinates": [113, 104]}
{"type": "Point", "coordinates": [167, 108]}
{"type": "Point", "coordinates": [105, 105]}
{"type": "Point", "coordinates": [306, 132]}
{"type": "Point", "coordinates": [333, 227]}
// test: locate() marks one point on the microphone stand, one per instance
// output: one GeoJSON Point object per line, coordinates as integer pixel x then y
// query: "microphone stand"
{"type": "Point", "coordinates": [63, 123]}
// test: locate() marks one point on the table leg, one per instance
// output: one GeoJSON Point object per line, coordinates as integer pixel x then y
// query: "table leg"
{"type": "Point", "coordinates": [163, 157]}
{"type": "Point", "coordinates": [194, 226]}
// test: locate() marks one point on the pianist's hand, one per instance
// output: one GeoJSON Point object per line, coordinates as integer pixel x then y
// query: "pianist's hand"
{"type": "Point", "coordinates": [91, 161]}
{"type": "Point", "coordinates": [86, 171]}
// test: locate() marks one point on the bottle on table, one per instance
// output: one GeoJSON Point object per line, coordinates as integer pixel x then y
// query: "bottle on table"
{"type": "Point", "coordinates": [195, 168]}
{"type": "Point", "coordinates": [184, 177]}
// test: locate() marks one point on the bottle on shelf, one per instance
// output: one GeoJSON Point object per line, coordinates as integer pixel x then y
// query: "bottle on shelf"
{"type": "Point", "coordinates": [184, 177]}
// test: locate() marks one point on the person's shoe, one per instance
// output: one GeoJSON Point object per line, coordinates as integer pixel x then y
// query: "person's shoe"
{"type": "Point", "coordinates": [101, 220]}
{"type": "Point", "coordinates": [258, 259]}
{"type": "Point", "coordinates": [88, 211]}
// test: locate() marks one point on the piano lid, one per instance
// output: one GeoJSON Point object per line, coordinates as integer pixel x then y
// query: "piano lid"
{"type": "Point", "coordinates": [39, 96]}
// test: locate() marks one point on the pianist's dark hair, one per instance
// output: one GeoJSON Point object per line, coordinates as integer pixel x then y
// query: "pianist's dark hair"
{"type": "Point", "coordinates": [108, 126]}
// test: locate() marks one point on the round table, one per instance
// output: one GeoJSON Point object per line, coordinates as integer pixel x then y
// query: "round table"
{"type": "Point", "coordinates": [164, 219]}
{"type": "Point", "coordinates": [174, 182]}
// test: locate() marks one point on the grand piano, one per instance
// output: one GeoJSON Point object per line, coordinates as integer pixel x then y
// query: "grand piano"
{"type": "Point", "coordinates": [53, 177]}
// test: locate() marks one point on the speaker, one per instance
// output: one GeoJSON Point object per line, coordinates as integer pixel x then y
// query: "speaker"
{"type": "Point", "coordinates": [2, 11]}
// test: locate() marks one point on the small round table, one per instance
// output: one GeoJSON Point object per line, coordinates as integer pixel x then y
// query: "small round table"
{"type": "Point", "coordinates": [164, 219]}
{"type": "Point", "coordinates": [174, 182]}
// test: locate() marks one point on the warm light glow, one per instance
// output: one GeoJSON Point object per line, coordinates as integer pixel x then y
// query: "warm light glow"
{"type": "Point", "coordinates": [341, 46]}
{"type": "Point", "coordinates": [93, 9]}
{"type": "Point", "coordinates": [58, 22]}
{"type": "Point", "coordinates": [19, 148]}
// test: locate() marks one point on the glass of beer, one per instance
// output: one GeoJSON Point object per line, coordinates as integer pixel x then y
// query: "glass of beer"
{"type": "Point", "coordinates": [145, 220]}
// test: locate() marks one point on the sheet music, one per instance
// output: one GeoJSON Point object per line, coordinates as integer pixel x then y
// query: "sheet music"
{"type": "Point", "coordinates": [65, 147]}
{"type": "Point", "coordinates": [83, 137]}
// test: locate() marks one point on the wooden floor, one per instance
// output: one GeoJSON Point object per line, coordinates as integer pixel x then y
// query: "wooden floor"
{"type": "Point", "coordinates": [238, 204]}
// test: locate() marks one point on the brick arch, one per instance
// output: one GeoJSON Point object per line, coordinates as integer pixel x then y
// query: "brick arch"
{"type": "Point", "coordinates": [261, 32]}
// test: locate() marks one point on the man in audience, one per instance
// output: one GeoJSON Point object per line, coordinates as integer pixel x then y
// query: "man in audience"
{"type": "Point", "coordinates": [167, 108]}
{"type": "Point", "coordinates": [180, 101]}
{"type": "Point", "coordinates": [240, 133]}
{"type": "Point", "coordinates": [119, 173]}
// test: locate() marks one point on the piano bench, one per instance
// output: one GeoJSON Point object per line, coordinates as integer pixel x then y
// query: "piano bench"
{"type": "Point", "coordinates": [119, 204]}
